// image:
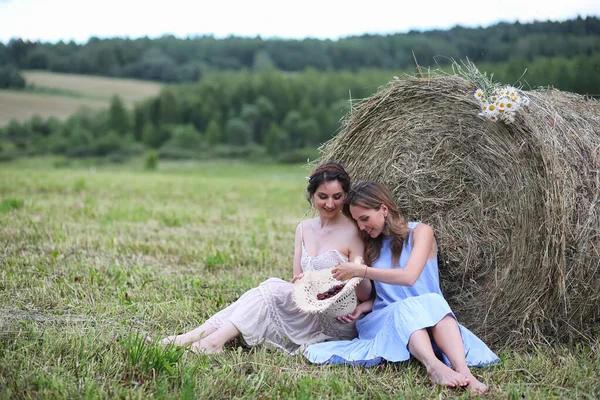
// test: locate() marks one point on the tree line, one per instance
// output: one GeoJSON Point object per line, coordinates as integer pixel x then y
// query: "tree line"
{"type": "Point", "coordinates": [171, 59]}
{"type": "Point", "coordinates": [264, 115]}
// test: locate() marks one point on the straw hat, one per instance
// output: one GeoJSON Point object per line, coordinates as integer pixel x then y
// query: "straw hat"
{"type": "Point", "coordinates": [314, 282]}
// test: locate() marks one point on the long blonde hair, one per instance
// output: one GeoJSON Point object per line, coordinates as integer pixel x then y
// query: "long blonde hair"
{"type": "Point", "coordinates": [372, 195]}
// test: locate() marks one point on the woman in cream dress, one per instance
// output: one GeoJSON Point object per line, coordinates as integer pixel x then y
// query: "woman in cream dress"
{"type": "Point", "coordinates": [267, 314]}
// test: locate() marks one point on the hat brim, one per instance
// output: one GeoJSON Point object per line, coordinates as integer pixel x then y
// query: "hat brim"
{"type": "Point", "coordinates": [315, 282]}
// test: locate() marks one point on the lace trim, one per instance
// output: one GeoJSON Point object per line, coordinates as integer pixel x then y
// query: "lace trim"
{"type": "Point", "coordinates": [271, 310]}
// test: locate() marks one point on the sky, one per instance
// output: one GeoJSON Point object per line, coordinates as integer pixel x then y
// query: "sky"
{"type": "Point", "coordinates": [54, 20]}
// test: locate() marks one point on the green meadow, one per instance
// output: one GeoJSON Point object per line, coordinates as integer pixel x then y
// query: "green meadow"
{"type": "Point", "coordinates": [95, 257]}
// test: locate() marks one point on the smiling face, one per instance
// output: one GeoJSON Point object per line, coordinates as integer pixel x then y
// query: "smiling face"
{"type": "Point", "coordinates": [329, 198]}
{"type": "Point", "coordinates": [370, 220]}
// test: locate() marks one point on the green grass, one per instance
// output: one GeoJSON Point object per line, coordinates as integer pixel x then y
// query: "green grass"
{"type": "Point", "coordinates": [96, 257]}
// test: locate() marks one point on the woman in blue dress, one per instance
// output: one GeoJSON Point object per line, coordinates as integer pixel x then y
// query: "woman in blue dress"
{"type": "Point", "coordinates": [408, 313]}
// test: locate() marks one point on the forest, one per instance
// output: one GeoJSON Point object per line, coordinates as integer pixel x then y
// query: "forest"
{"type": "Point", "coordinates": [171, 59]}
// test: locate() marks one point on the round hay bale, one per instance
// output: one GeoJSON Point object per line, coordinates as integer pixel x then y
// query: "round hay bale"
{"type": "Point", "coordinates": [514, 207]}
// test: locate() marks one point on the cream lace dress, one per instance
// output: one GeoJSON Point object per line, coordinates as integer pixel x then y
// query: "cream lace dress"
{"type": "Point", "coordinates": [267, 313]}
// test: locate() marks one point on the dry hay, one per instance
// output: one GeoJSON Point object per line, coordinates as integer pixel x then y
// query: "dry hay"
{"type": "Point", "coordinates": [514, 208]}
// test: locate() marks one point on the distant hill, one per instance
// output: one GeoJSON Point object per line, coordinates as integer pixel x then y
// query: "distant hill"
{"type": "Point", "coordinates": [170, 59]}
{"type": "Point", "coordinates": [60, 95]}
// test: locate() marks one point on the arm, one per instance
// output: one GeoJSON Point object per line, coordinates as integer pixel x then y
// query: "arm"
{"type": "Point", "coordinates": [297, 270]}
{"type": "Point", "coordinates": [357, 249]}
{"type": "Point", "coordinates": [364, 290]}
{"type": "Point", "coordinates": [423, 248]}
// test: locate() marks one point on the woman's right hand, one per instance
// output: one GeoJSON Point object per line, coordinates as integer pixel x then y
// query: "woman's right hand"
{"type": "Point", "coordinates": [347, 270]}
{"type": "Point", "coordinates": [297, 277]}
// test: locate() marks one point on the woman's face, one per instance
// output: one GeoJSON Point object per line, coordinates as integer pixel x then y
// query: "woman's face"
{"type": "Point", "coordinates": [329, 198]}
{"type": "Point", "coordinates": [369, 220]}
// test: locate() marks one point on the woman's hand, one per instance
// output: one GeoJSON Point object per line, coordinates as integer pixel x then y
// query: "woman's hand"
{"type": "Point", "coordinates": [297, 277]}
{"type": "Point", "coordinates": [358, 311]}
{"type": "Point", "coordinates": [347, 270]}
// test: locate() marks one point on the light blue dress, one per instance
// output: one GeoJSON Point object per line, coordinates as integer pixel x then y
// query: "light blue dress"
{"type": "Point", "coordinates": [398, 311]}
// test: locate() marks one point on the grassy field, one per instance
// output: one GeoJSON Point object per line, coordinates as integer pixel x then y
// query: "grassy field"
{"type": "Point", "coordinates": [94, 258]}
{"type": "Point", "coordinates": [60, 95]}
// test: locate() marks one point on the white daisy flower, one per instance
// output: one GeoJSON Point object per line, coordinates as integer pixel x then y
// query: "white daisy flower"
{"type": "Point", "coordinates": [510, 90]}
{"type": "Point", "coordinates": [501, 103]}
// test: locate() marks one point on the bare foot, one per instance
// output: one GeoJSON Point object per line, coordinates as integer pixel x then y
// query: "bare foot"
{"type": "Point", "coordinates": [476, 386]}
{"type": "Point", "coordinates": [170, 340]}
{"type": "Point", "coordinates": [441, 374]}
{"type": "Point", "coordinates": [173, 339]}
{"type": "Point", "coordinates": [204, 347]}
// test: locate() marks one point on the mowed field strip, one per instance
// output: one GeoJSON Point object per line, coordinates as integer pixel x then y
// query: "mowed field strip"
{"type": "Point", "coordinates": [72, 92]}
{"type": "Point", "coordinates": [23, 105]}
{"type": "Point", "coordinates": [130, 90]}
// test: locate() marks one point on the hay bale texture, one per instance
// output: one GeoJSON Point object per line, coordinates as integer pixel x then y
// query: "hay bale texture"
{"type": "Point", "coordinates": [514, 207]}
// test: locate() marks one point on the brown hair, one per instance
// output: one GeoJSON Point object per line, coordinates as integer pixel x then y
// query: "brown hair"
{"type": "Point", "coordinates": [372, 196]}
{"type": "Point", "coordinates": [327, 172]}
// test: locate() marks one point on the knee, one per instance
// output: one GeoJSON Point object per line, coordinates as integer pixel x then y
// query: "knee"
{"type": "Point", "coordinates": [447, 322]}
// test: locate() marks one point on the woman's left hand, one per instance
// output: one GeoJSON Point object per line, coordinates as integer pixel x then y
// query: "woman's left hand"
{"type": "Point", "coordinates": [349, 318]}
{"type": "Point", "coordinates": [347, 270]}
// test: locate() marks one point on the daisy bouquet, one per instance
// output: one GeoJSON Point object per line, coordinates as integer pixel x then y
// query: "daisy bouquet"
{"type": "Point", "coordinates": [498, 103]}
{"type": "Point", "coordinates": [501, 104]}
